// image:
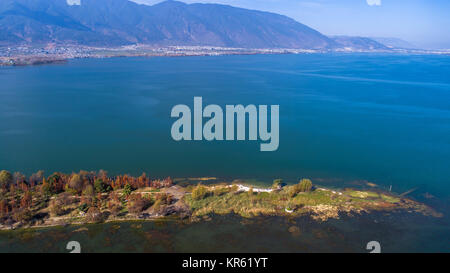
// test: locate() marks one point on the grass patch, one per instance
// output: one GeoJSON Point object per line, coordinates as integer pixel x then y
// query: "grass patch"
{"type": "Point", "coordinates": [362, 194]}
{"type": "Point", "coordinates": [390, 199]}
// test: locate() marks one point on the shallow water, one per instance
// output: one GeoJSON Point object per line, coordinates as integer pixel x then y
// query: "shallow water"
{"type": "Point", "coordinates": [397, 232]}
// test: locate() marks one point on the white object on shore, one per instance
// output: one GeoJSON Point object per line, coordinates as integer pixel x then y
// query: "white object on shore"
{"type": "Point", "coordinates": [288, 211]}
{"type": "Point", "coordinates": [246, 188]}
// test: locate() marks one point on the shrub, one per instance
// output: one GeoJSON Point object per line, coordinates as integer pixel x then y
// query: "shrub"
{"type": "Point", "coordinates": [58, 204]}
{"type": "Point", "coordinates": [277, 183]}
{"type": "Point", "coordinates": [94, 215]}
{"type": "Point", "coordinates": [199, 192]}
{"type": "Point", "coordinates": [305, 185]}
{"type": "Point", "coordinates": [76, 183]}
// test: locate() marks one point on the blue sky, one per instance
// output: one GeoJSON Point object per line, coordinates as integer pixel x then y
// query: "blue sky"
{"type": "Point", "coordinates": [425, 23]}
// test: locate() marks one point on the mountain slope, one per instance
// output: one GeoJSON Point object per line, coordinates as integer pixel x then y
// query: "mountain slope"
{"type": "Point", "coordinates": [394, 42]}
{"type": "Point", "coordinates": [121, 22]}
{"type": "Point", "coordinates": [358, 43]}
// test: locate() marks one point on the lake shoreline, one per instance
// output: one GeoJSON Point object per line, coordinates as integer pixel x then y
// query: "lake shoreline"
{"type": "Point", "coordinates": [188, 51]}
{"type": "Point", "coordinates": [197, 202]}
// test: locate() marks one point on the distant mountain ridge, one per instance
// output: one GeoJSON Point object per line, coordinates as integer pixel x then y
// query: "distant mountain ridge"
{"type": "Point", "coordinates": [122, 22]}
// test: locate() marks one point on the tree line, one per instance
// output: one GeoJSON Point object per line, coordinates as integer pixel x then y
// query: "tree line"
{"type": "Point", "coordinates": [21, 196]}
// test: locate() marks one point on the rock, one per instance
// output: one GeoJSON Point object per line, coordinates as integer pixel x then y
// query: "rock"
{"type": "Point", "coordinates": [144, 215]}
{"type": "Point", "coordinates": [168, 210]}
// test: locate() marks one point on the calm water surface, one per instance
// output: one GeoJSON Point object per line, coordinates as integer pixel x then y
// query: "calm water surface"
{"type": "Point", "coordinates": [383, 118]}
{"type": "Point", "coordinates": [343, 118]}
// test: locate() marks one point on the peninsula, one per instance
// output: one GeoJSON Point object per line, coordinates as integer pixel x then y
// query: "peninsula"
{"type": "Point", "coordinates": [88, 197]}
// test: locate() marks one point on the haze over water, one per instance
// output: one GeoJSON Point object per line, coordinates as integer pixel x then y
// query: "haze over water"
{"type": "Point", "coordinates": [381, 118]}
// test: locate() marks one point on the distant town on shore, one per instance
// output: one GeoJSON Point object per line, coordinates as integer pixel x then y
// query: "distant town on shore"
{"type": "Point", "coordinates": [60, 30]}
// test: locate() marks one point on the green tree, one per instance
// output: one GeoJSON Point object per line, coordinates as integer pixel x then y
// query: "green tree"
{"type": "Point", "coordinates": [46, 187]}
{"type": "Point", "coordinates": [54, 184]}
{"type": "Point", "coordinates": [101, 186]}
{"type": "Point", "coordinates": [5, 179]}
{"type": "Point", "coordinates": [127, 190]}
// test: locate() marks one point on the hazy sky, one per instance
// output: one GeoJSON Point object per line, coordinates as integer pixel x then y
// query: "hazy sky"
{"type": "Point", "coordinates": [425, 23]}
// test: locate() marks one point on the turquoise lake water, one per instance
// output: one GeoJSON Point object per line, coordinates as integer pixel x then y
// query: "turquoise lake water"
{"type": "Point", "coordinates": [381, 118]}
{"type": "Point", "coordinates": [344, 119]}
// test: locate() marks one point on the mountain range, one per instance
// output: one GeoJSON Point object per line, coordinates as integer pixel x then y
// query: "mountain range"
{"type": "Point", "coordinates": [122, 22]}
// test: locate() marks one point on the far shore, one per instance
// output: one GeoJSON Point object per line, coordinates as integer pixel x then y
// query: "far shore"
{"type": "Point", "coordinates": [51, 54]}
